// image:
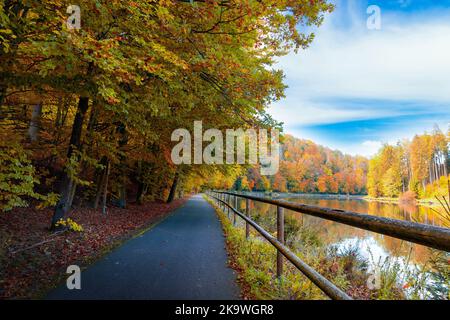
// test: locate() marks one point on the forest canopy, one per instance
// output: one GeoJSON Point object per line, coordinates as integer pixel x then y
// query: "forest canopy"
{"type": "Point", "coordinates": [86, 115]}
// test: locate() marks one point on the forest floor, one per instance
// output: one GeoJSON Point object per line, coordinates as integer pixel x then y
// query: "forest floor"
{"type": "Point", "coordinates": [32, 259]}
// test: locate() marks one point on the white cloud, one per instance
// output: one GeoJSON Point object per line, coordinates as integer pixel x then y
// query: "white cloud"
{"type": "Point", "coordinates": [304, 112]}
{"type": "Point", "coordinates": [370, 147]}
{"type": "Point", "coordinates": [408, 60]}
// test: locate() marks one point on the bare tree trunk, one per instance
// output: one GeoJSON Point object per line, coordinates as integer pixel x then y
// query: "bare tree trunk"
{"type": "Point", "coordinates": [33, 129]}
{"type": "Point", "coordinates": [68, 185]}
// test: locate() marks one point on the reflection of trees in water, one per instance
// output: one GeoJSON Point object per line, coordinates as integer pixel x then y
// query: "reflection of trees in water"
{"type": "Point", "coordinates": [397, 247]}
{"type": "Point", "coordinates": [401, 211]}
{"type": "Point", "coordinates": [304, 232]}
{"type": "Point", "coordinates": [331, 232]}
{"type": "Point", "coordinates": [419, 214]}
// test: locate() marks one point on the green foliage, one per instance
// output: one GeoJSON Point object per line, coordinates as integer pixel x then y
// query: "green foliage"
{"type": "Point", "coordinates": [18, 177]}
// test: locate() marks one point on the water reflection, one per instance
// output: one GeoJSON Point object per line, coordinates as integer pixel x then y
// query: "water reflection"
{"type": "Point", "coordinates": [376, 249]}
{"type": "Point", "coordinates": [333, 233]}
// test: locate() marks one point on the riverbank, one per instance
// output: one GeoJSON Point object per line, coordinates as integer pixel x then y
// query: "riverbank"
{"type": "Point", "coordinates": [279, 195]}
{"type": "Point", "coordinates": [429, 203]}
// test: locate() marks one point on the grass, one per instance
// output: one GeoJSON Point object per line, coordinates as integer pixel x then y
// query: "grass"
{"type": "Point", "coordinates": [254, 260]}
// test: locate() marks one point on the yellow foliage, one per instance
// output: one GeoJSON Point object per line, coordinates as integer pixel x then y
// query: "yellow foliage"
{"type": "Point", "coordinates": [72, 225]}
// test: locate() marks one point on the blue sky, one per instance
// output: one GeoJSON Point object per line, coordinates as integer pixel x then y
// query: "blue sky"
{"type": "Point", "coordinates": [355, 89]}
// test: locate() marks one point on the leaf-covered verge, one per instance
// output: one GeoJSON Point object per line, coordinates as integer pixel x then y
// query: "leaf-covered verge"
{"type": "Point", "coordinates": [254, 260]}
{"type": "Point", "coordinates": [32, 261]}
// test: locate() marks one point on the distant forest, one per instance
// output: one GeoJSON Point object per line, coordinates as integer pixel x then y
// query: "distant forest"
{"type": "Point", "coordinates": [419, 167]}
{"type": "Point", "coordinates": [306, 167]}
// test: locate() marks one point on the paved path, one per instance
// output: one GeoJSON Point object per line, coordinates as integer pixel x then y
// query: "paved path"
{"type": "Point", "coordinates": [183, 257]}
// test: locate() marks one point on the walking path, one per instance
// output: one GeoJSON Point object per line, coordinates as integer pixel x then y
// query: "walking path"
{"type": "Point", "coordinates": [183, 257]}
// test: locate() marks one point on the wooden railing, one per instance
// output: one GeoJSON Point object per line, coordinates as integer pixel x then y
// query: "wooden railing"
{"type": "Point", "coordinates": [430, 236]}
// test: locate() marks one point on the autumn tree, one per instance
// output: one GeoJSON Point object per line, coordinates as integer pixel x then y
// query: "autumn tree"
{"type": "Point", "coordinates": [418, 166]}
{"type": "Point", "coordinates": [105, 99]}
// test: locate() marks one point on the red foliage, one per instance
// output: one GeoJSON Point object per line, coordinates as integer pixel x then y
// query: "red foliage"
{"type": "Point", "coordinates": [32, 259]}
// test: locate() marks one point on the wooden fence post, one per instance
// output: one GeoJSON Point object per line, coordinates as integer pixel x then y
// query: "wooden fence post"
{"type": "Point", "coordinates": [224, 198]}
{"type": "Point", "coordinates": [225, 209]}
{"type": "Point", "coordinates": [247, 213]}
{"type": "Point", "coordinates": [228, 208]}
{"type": "Point", "coordinates": [280, 237]}
{"type": "Point", "coordinates": [236, 208]}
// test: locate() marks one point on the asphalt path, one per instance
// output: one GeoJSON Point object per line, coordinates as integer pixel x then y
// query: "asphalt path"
{"type": "Point", "coordinates": [182, 257]}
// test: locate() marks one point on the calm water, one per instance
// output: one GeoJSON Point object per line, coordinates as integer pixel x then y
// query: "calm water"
{"type": "Point", "coordinates": [372, 246]}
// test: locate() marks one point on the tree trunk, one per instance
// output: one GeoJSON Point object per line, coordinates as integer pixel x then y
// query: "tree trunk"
{"type": "Point", "coordinates": [445, 165]}
{"type": "Point", "coordinates": [68, 185]}
{"type": "Point", "coordinates": [430, 174]}
{"type": "Point", "coordinates": [436, 169]}
{"type": "Point", "coordinates": [77, 128]}
{"type": "Point", "coordinates": [142, 190]}
{"type": "Point", "coordinates": [122, 203]}
{"type": "Point", "coordinates": [2, 96]}
{"type": "Point", "coordinates": [105, 189]}
{"type": "Point", "coordinates": [173, 188]}
{"type": "Point", "coordinates": [33, 129]}
{"type": "Point", "coordinates": [90, 128]}
{"type": "Point", "coordinates": [101, 180]}
{"type": "Point", "coordinates": [59, 113]}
